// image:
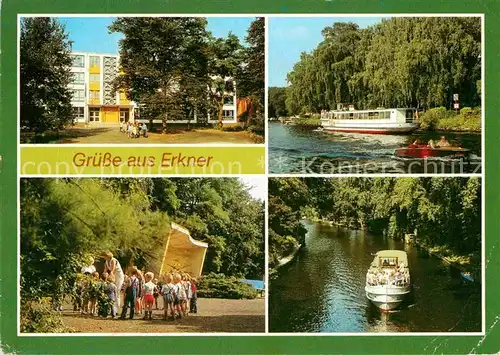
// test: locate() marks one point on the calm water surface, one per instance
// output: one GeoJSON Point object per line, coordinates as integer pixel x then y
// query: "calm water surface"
{"type": "Point", "coordinates": [322, 290]}
{"type": "Point", "coordinates": [298, 149]}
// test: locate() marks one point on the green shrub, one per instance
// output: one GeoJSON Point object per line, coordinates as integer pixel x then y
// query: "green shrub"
{"type": "Point", "coordinates": [39, 317]}
{"type": "Point", "coordinates": [221, 286]}
{"type": "Point", "coordinates": [308, 121]}
{"type": "Point", "coordinates": [429, 119]}
{"type": "Point", "coordinates": [257, 126]}
{"type": "Point", "coordinates": [281, 247]}
{"type": "Point", "coordinates": [257, 138]}
{"type": "Point", "coordinates": [468, 120]}
{"type": "Point", "coordinates": [237, 127]}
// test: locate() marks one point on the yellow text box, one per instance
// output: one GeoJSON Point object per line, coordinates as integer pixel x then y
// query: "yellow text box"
{"type": "Point", "coordinates": [113, 160]}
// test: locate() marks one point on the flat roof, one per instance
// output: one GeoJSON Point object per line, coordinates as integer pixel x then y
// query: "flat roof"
{"type": "Point", "coordinates": [401, 255]}
{"type": "Point", "coordinates": [96, 54]}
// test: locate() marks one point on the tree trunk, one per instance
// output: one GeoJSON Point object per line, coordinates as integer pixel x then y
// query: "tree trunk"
{"type": "Point", "coordinates": [221, 109]}
{"type": "Point", "coordinates": [164, 123]}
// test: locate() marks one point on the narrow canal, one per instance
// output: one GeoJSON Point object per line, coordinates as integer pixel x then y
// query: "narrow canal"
{"type": "Point", "coordinates": [297, 149]}
{"type": "Point", "coordinates": [322, 290]}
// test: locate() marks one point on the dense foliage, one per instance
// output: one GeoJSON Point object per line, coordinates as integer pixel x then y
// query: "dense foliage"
{"type": "Point", "coordinates": [441, 119]}
{"type": "Point", "coordinates": [221, 286]}
{"type": "Point", "coordinates": [400, 62]}
{"type": "Point", "coordinates": [277, 102]}
{"type": "Point", "coordinates": [174, 68]}
{"type": "Point", "coordinates": [251, 74]}
{"type": "Point", "coordinates": [63, 221]}
{"type": "Point", "coordinates": [39, 317]}
{"type": "Point", "coordinates": [442, 212]}
{"type": "Point", "coordinates": [45, 64]}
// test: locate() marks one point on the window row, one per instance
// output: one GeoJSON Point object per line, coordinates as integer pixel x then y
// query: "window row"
{"type": "Point", "coordinates": [79, 95]}
{"type": "Point", "coordinates": [79, 61]}
{"type": "Point", "coordinates": [79, 78]}
{"type": "Point", "coordinates": [371, 115]}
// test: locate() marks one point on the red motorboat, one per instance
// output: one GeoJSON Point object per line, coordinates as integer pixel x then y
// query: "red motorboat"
{"type": "Point", "coordinates": [426, 151]}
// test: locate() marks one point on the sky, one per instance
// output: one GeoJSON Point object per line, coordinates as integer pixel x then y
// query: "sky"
{"type": "Point", "coordinates": [290, 36]}
{"type": "Point", "coordinates": [257, 185]}
{"type": "Point", "coordinates": [90, 34]}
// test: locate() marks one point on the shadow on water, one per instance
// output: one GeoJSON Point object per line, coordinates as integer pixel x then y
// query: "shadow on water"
{"type": "Point", "coordinates": [322, 290]}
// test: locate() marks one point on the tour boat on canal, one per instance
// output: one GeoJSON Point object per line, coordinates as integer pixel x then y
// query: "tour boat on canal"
{"type": "Point", "coordinates": [379, 121]}
{"type": "Point", "coordinates": [388, 279]}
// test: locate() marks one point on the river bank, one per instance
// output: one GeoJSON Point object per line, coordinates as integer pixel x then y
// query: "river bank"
{"type": "Point", "coordinates": [463, 263]}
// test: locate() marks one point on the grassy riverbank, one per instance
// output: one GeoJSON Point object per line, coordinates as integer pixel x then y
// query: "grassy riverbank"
{"type": "Point", "coordinates": [308, 121]}
{"type": "Point", "coordinates": [441, 119]}
{"type": "Point", "coordinates": [463, 262]}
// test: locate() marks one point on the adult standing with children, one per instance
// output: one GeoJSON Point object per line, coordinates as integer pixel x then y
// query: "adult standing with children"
{"type": "Point", "coordinates": [90, 268]}
{"type": "Point", "coordinates": [112, 266]}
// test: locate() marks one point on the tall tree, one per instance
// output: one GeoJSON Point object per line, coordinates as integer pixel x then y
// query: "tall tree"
{"type": "Point", "coordinates": [164, 63]}
{"type": "Point", "coordinates": [45, 75]}
{"type": "Point", "coordinates": [400, 62]}
{"type": "Point", "coordinates": [226, 55]}
{"type": "Point", "coordinates": [251, 75]}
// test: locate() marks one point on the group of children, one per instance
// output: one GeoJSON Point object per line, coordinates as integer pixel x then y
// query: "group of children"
{"type": "Point", "coordinates": [134, 130]}
{"type": "Point", "coordinates": [98, 295]}
{"type": "Point", "coordinates": [179, 295]}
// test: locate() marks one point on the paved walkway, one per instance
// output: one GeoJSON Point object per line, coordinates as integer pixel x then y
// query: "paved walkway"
{"type": "Point", "coordinates": [214, 315]}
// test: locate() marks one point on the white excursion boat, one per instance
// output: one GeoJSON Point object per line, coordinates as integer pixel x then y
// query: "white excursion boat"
{"type": "Point", "coordinates": [388, 279]}
{"type": "Point", "coordinates": [379, 121]}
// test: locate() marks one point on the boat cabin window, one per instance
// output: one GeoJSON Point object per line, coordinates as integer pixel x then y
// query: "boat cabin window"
{"type": "Point", "coordinates": [410, 114]}
{"type": "Point", "coordinates": [388, 262]}
{"type": "Point", "coordinates": [370, 115]}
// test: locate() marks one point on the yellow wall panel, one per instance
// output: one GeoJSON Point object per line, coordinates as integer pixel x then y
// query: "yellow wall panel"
{"type": "Point", "coordinates": [94, 69]}
{"type": "Point", "coordinates": [95, 86]}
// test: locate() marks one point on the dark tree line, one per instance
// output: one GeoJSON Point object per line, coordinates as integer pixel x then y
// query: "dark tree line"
{"type": "Point", "coordinates": [45, 64]}
{"type": "Point", "coordinates": [400, 62]}
{"type": "Point", "coordinates": [277, 102]}
{"type": "Point", "coordinates": [441, 211]}
{"type": "Point", "coordinates": [63, 221]}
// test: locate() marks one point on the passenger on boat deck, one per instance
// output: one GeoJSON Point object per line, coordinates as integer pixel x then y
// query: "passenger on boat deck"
{"type": "Point", "coordinates": [416, 143]}
{"type": "Point", "coordinates": [431, 144]}
{"type": "Point", "coordinates": [443, 142]}
{"type": "Point", "coordinates": [380, 277]}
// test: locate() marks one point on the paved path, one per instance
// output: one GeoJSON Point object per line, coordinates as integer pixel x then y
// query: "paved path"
{"type": "Point", "coordinates": [214, 315]}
